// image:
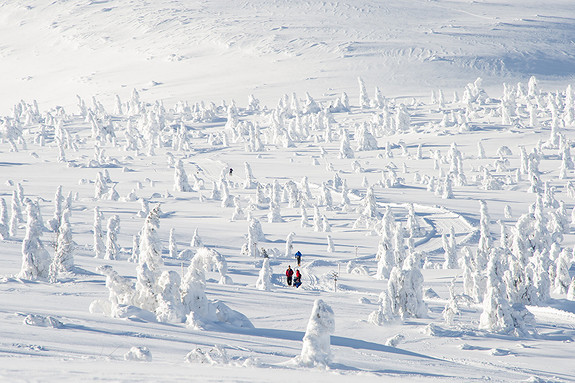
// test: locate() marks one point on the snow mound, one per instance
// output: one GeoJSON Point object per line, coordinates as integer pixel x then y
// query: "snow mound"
{"type": "Point", "coordinates": [435, 330]}
{"type": "Point", "coordinates": [232, 317]}
{"type": "Point", "coordinates": [42, 321]}
{"type": "Point", "coordinates": [500, 352]}
{"type": "Point", "coordinates": [430, 294]}
{"type": "Point", "coordinates": [141, 354]}
{"type": "Point", "coordinates": [394, 340]}
{"type": "Point", "coordinates": [216, 355]}
{"type": "Point", "coordinates": [318, 263]}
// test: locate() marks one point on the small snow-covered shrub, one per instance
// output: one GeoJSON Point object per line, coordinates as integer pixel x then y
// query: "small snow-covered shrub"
{"type": "Point", "coordinates": [141, 354]}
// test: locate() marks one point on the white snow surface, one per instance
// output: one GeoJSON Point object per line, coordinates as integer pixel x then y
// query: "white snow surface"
{"type": "Point", "coordinates": [204, 52]}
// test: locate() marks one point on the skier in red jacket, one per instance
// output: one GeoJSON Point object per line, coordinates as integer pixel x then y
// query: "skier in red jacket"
{"type": "Point", "coordinates": [289, 275]}
{"type": "Point", "coordinates": [297, 279]}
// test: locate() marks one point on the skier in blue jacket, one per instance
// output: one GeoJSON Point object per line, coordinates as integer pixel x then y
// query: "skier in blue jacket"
{"type": "Point", "coordinates": [298, 258]}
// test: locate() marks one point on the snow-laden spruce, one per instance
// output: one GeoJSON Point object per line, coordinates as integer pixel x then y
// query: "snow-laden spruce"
{"type": "Point", "coordinates": [35, 258]}
{"type": "Point", "coordinates": [498, 314]}
{"type": "Point", "coordinates": [405, 289]}
{"type": "Point", "coordinates": [180, 178]}
{"type": "Point", "coordinates": [4, 220]}
{"type": "Point", "coordinates": [99, 244]}
{"type": "Point", "coordinates": [316, 349]}
{"type": "Point", "coordinates": [112, 245]}
{"type": "Point", "coordinates": [201, 311]}
{"type": "Point", "coordinates": [64, 250]}
{"type": "Point", "coordinates": [264, 281]}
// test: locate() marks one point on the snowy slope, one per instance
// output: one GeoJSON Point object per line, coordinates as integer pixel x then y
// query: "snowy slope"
{"type": "Point", "coordinates": [213, 51]}
{"type": "Point", "coordinates": [197, 50]}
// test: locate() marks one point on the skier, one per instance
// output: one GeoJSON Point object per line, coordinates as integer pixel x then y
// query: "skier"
{"type": "Point", "coordinates": [289, 274]}
{"type": "Point", "coordinates": [231, 171]}
{"type": "Point", "coordinates": [298, 258]}
{"type": "Point", "coordinates": [297, 279]}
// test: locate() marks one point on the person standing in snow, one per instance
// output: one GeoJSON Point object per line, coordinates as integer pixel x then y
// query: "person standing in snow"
{"type": "Point", "coordinates": [231, 171]}
{"type": "Point", "coordinates": [298, 258]}
{"type": "Point", "coordinates": [297, 279]}
{"type": "Point", "coordinates": [289, 275]}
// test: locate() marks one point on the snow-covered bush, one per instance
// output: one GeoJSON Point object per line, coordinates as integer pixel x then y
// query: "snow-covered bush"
{"type": "Point", "coordinates": [141, 354]}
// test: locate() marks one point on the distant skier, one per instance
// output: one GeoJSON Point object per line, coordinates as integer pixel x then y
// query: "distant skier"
{"type": "Point", "coordinates": [289, 275]}
{"type": "Point", "coordinates": [298, 258]}
{"type": "Point", "coordinates": [231, 171]}
{"type": "Point", "coordinates": [297, 279]}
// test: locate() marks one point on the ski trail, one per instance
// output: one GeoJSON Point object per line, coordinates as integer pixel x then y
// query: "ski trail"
{"type": "Point", "coordinates": [441, 221]}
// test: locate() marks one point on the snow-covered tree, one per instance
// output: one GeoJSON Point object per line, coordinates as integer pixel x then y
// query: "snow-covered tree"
{"type": "Point", "coordinates": [345, 150]}
{"type": "Point", "coordinates": [485, 239]}
{"type": "Point", "coordinates": [562, 278]}
{"type": "Point", "coordinates": [264, 281]}
{"type": "Point", "coordinates": [447, 188]}
{"type": "Point", "coordinates": [64, 251]}
{"type": "Point", "coordinates": [4, 220]}
{"type": "Point", "coordinates": [498, 315]}
{"type": "Point", "coordinates": [385, 250]}
{"type": "Point", "coordinates": [289, 245]}
{"type": "Point", "coordinates": [238, 211]}
{"type": "Point", "coordinates": [249, 182]}
{"type": "Point", "coordinates": [149, 262]}
{"type": "Point", "coordinates": [120, 289]}
{"type": "Point", "coordinates": [369, 204]}
{"type": "Point", "coordinates": [384, 313]}
{"type": "Point", "coordinates": [196, 304]}
{"type": "Point", "coordinates": [325, 197]}
{"type": "Point", "coordinates": [173, 246]}
{"type": "Point", "coordinates": [99, 244]}
{"type": "Point", "coordinates": [35, 258]}
{"type": "Point", "coordinates": [54, 223]}
{"type": "Point", "coordinates": [365, 140]}
{"type": "Point", "coordinates": [480, 150]}
{"type": "Point", "coordinates": [451, 308]}
{"type": "Point", "coordinates": [169, 308]}
{"type": "Point", "coordinates": [135, 254]}
{"type": "Point", "coordinates": [363, 97]}
{"type": "Point", "coordinates": [316, 350]}
{"type": "Point", "coordinates": [144, 208]}
{"type": "Point", "coordinates": [274, 214]}
{"type": "Point", "coordinates": [196, 241]}
{"type": "Point", "coordinates": [100, 187]}
{"type": "Point", "coordinates": [112, 246]}
{"type": "Point", "coordinates": [330, 244]}
{"type": "Point", "coordinates": [180, 178]}
{"type": "Point", "coordinates": [255, 235]}
{"type": "Point", "coordinates": [450, 248]}
{"type": "Point", "coordinates": [405, 289]}
{"type": "Point", "coordinates": [15, 215]}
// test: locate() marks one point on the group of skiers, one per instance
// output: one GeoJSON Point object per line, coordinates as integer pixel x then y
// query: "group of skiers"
{"type": "Point", "coordinates": [289, 273]}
